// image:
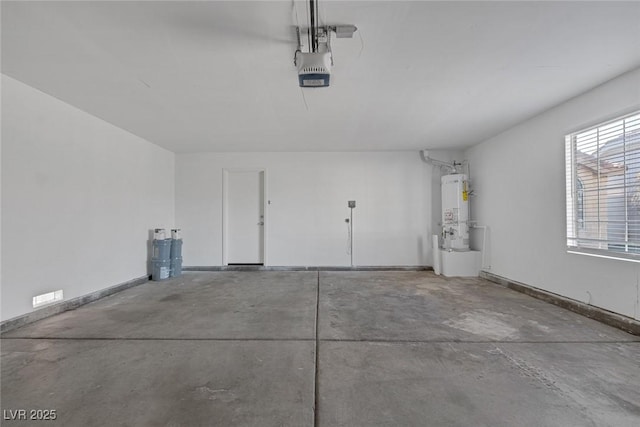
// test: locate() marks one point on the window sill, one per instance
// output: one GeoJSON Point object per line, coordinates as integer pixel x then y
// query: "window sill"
{"type": "Point", "coordinates": [618, 256]}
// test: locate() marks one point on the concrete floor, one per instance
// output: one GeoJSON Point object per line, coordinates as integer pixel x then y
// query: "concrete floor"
{"type": "Point", "coordinates": [394, 348]}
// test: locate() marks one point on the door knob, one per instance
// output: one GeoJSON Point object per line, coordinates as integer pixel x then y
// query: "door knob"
{"type": "Point", "coordinates": [261, 223]}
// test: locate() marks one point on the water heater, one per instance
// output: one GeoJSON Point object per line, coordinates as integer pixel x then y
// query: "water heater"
{"type": "Point", "coordinates": [455, 212]}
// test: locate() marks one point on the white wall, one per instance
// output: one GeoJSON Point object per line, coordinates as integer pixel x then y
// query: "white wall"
{"type": "Point", "coordinates": [309, 193]}
{"type": "Point", "coordinates": [519, 180]}
{"type": "Point", "coordinates": [79, 196]}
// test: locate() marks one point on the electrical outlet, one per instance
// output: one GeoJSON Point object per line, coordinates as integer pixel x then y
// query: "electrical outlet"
{"type": "Point", "coordinates": [351, 204]}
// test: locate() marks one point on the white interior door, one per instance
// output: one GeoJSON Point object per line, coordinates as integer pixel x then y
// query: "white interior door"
{"type": "Point", "coordinates": [245, 217]}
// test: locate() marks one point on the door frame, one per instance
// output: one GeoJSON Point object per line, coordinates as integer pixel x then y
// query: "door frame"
{"type": "Point", "coordinates": [225, 211]}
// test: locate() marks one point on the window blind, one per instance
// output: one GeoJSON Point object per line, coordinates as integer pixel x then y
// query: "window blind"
{"type": "Point", "coordinates": [603, 188]}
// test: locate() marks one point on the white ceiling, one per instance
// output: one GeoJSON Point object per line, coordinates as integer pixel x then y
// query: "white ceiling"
{"type": "Point", "coordinates": [219, 76]}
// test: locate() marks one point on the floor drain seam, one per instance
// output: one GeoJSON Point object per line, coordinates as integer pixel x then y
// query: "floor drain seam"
{"type": "Point", "coordinates": [157, 339]}
{"type": "Point", "coordinates": [478, 341]}
{"type": "Point", "coordinates": [316, 386]}
{"type": "Point", "coordinates": [319, 340]}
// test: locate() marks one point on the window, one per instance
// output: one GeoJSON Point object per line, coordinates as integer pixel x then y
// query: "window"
{"type": "Point", "coordinates": [603, 188]}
